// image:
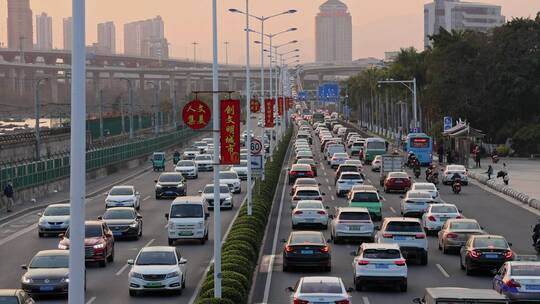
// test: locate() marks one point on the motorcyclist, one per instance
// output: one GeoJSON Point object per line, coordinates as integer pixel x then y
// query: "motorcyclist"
{"type": "Point", "coordinates": [456, 180]}
{"type": "Point", "coordinates": [536, 232]}
{"type": "Point", "coordinates": [176, 156]}
{"type": "Point", "coordinates": [416, 168]}
{"type": "Point", "coordinates": [430, 170]}
{"type": "Point", "coordinates": [411, 158]}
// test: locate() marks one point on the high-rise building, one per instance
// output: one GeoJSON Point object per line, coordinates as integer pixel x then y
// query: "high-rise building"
{"type": "Point", "coordinates": [106, 37]}
{"type": "Point", "coordinates": [44, 32]}
{"type": "Point", "coordinates": [333, 33]}
{"type": "Point", "coordinates": [457, 15]}
{"type": "Point", "coordinates": [67, 25]}
{"type": "Point", "coordinates": [19, 24]}
{"type": "Point", "coordinates": [146, 38]}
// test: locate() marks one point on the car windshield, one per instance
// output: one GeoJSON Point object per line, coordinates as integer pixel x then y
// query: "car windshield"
{"type": "Point", "coordinates": [404, 227]}
{"type": "Point", "coordinates": [90, 231]}
{"type": "Point", "coordinates": [443, 209]}
{"type": "Point", "coordinates": [381, 254]}
{"type": "Point", "coordinates": [185, 163]}
{"type": "Point", "coordinates": [425, 187]}
{"type": "Point", "coordinates": [465, 225]}
{"type": "Point", "coordinates": [490, 242]}
{"type": "Point", "coordinates": [351, 176]}
{"type": "Point", "coordinates": [210, 189]}
{"type": "Point", "coordinates": [121, 191]}
{"type": "Point", "coordinates": [365, 197]}
{"type": "Point", "coordinates": [412, 195]}
{"type": "Point", "coordinates": [525, 270]}
{"type": "Point", "coordinates": [303, 238]}
{"type": "Point", "coordinates": [56, 211]}
{"type": "Point", "coordinates": [309, 205]}
{"type": "Point", "coordinates": [50, 261]}
{"type": "Point", "coordinates": [158, 156]}
{"type": "Point", "coordinates": [123, 214]}
{"type": "Point", "coordinates": [307, 193]}
{"type": "Point", "coordinates": [9, 300]}
{"type": "Point", "coordinates": [354, 216]}
{"type": "Point", "coordinates": [170, 178]}
{"type": "Point", "coordinates": [186, 211]}
{"type": "Point", "coordinates": [156, 258]}
{"type": "Point", "coordinates": [321, 287]}
{"type": "Point", "coordinates": [228, 175]}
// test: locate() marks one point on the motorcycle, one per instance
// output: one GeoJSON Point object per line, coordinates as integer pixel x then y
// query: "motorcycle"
{"type": "Point", "coordinates": [434, 178]}
{"type": "Point", "coordinates": [428, 173]}
{"type": "Point", "coordinates": [417, 171]}
{"type": "Point", "coordinates": [495, 158]}
{"type": "Point", "coordinates": [176, 158]}
{"type": "Point", "coordinates": [456, 186]}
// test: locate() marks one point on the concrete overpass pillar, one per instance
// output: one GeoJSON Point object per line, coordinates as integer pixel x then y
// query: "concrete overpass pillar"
{"type": "Point", "coordinates": [141, 92]}
{"type": "Point", "coordinates": [12, 81]}
{"type": "Point", "coordinates": [231, 81]}
{"type": "Point", "coordinates": [188, 84]}
{"type": "Point", "coordinates": [320, 78]}
{"type": "Point", "coordinates": [54, 88]}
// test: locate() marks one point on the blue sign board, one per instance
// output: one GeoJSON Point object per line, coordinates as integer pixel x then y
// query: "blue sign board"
{"type": "Point", "coordinates": [329, 92]}
{"type": "Point", "coordinates": [302, 95]}
{"type": "Point", "coordinates": [447, 123]}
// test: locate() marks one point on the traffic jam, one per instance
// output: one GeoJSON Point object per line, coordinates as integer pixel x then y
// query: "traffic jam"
{"type": "Point", "coordinates": [340, 180]}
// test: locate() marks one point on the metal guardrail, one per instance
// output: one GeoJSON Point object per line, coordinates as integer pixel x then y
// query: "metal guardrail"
{"type": "Point", "coordinates": [33, 173]}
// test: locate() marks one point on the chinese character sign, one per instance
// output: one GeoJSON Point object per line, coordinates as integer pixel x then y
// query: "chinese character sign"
{"type": "Point", "coordinates": [230, 132]}
{"type": "Point", "coordinates": [280, 106]}
{"type": "Point", "coordinates": [268, 113]}
{"type": "Point", "coordinates": [196, 114]}
{"type": "Point", "coordinates": [255, 106]}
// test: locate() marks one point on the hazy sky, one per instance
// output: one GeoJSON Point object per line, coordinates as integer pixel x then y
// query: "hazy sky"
{"type": "Point", "coordinates": [378, 25]}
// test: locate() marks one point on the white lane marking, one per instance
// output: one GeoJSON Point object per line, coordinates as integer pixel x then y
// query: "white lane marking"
{"type": "Point", "coordinates": [332, 197]}
{"type": "Point", "coordinates": [149, 242]}
{"type": "Point", "coordinates": [393, 210]}
{"type": "Point", "coordinates": [92, 299]}
{"type": "Point", "coordinates": [17, 234]}
{"type": "Point", "coordinates": [146, 198]}
{"type": "Point", "coordinates": [327, 180]}
{"type": "Point", "coordinates": [274, 246]}
{"type": "Point", "coordinates": [365, 300]}
{"type": "Point", "coordinates": [324, 173]}
{"type": "Point", "coordinates": [119, 272]}
{"type": "Point", "coordinates": [441, 269]}
{"type": "Point", "coordinates": [329, 188]}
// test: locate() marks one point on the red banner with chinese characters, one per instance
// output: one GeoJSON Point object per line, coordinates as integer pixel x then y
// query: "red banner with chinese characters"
{"type": "Point", "coordinates": [196, 114]}
{"type": "Point", "coordinates": [269, 113]}
{"type": "Point", "coordinates": [255, 106]}
{"type": "Point", "coordinates": [280, 106]}
{"type": "Point", "coordinates": [230, 132]}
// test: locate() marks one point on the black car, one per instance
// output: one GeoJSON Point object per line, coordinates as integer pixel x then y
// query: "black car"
{"type": "Point", "coordinates": [485, 252]}
{"type": "Point", "coordinates": [47, 273]}
{"type": "Point", "coordinates": [123, 222]}
{"type": "Point", "coordinates": [170, 184]}
{"type": "Point", "coordinates": [15, 296]}
{"type": "Point", "coordinates": [307, 249]}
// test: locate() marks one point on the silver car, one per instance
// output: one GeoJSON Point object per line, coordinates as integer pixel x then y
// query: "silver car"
{"type": "Point", "coordinates": [225, 196]}
{"type": "Point", "coordinates": [54, 220]}
{"type": "Point", "coordinates": [455, 233]}
{"type": "Point", "coordinates": [319, 290]}
{"type": "Point", "coordinates": [415, 203]}
{"type": "Point", "coordinates": [519, 281]}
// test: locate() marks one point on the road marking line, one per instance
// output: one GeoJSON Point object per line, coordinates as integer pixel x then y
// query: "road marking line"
{"type": "Point", "coordinates": [17, 234]}
{"type": "Point", "coordinates": [92, 299]}
{"type": "Point", "coordinates": [119, 272]}
{"type": "Point", "coordinates": [149, 242]}
{"type": "Point", "coordinates": [329, 188]}
{"type": "Point", "coordinates": [324, 173]}
{"type": "Point", "coordinates": [365, 300]}
{"type": "Point", "coordinates": [441, 269]}
{"type": "Point", "coordinates": [327, 180]}
{"type": "Point", "coordinates": [332, 197]}
{"type": "Point", "coordinates": [393, 210]}
{"type": "Point", "coordinates": [146, 198]}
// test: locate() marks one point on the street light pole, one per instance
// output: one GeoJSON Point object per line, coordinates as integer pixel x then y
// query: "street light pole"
{"type": "Point", "coordinates": [156, 106]}
{"type": "Point", "coordinates": [407, 84]}
{"type": "Point", "coordinates": [195, 43]}
{"type": "Point", "coordinates": [37, 113]}
{"type": "Point", "coordinates": [248, 111]}
{"type": "Point", "coordinates": [130, 92]}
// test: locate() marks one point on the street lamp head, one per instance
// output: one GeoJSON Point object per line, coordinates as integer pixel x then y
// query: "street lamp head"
{"type": "Point", "coordinates": [233, 10]}
{"type": "Point", "coordinates": [257, 42]}
{"type": "Point", "coordinates": [294, 41]}
{"type": "Point", "coordinates": [292, 29]}
{"type": "Point", "coordinates": [291, 11]}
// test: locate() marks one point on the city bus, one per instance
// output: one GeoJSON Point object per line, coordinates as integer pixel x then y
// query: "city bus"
{"type": "Point", "coordinates": [374, 146]}
{"type": "Point", "coordinates": [422, 146]}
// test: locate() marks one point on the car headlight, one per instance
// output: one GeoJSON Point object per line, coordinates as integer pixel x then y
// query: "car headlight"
{"type": "Point", "coordinates": [62, 246]}
{"type": "Point", "coordinates": [200, 225]}
{"type": "Point", "coordinates": [172, 275]}
{"type": "Point", "coordinates": [134, 225]}
{"type": "Point", "coordinates": [158, 186]}
{"type": "Point", "coordinates": [26, 280]}
{"type": "Point", "coordinates": [228, 199]}
{"type": "Point", "coordinates": [180, 185]}
{"type": "Point", "coordinates": [65, 280]}
{"type": "Point", "coordinates": [42, 220]}
{"type": "Point", "coordinates": [136, 275]}
{"type": "Point", "coordinates": [99, 246]}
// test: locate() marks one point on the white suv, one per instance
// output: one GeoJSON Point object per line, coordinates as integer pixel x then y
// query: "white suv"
{"type": "Point", "coordinates": [225, 196]}
{"type": "Point", "coordinates": [187, 168]}
{"type": "Point", "coordinates": [408, 234]}
{"type": "Point", "coordinates": [231, 179]}
{"type": "Point", "coordinates": [346, 181]}
{"type": "Point", "coordinates": [375, 263]}
{"type": "Point", "coordinates": [351, 223]}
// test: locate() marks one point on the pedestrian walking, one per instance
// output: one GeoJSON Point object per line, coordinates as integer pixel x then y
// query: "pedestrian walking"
{"type": "Point", "coordinates": [8, 193]}
{"type": "Point", "coordinates": [441, 153]}
{"type": "Point", "coordinates": [489, 171]}
{"type": "Point", "coordinates": [476, 153]}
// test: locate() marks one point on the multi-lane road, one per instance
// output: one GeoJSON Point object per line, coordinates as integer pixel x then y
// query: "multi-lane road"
{"type": "Point", "coordinates": [109, 285]}
{"type": "Point", "coordinates": [496, 214]}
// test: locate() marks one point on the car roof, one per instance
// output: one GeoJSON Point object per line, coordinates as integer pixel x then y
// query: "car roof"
{"type": "Point", "coordinates": [170, 173]}
{"type": "Point", "coordinates": [418, 191]}
{"type": "Point", "coordinates": [380, 246]}
{"type": "Point", "coordinates": [487, 236]}
{"type": "Point", "coordinates": [188, 200]}
{"type": "Point", "coordinates": [353, 209]}
{"type": "Point", "coordinates": [308, 201]}
{"type": "Point", "coordinates": [321, 279]}
{"type": "Point", "coordinates": [52, 252]}
{"type": "Point", "coordinates": [301, 166]}
{"type": "Point", "coordinates": [121, 208]}
{"type": "Point", "coordinates": [364, 188]}
{"type": "Point", "coordinates": [470, 220]}
{"type": "Point", "coordinates": [212, 185]}
{"type": "Point", "coordinates": [423, 184]}
{"type": "Point", "coordinates": [402, 219]}
{"type": "Point", "coordinates": [307, 188]}
{"type": "Point", "coordinates": [8, 292]}
{"type": "Point", "coordinates": [123, 187]}
{"type": "Point", "coordinates": [158, 248]}
{"type": "Point", "coordinates": [444, 205]}
{"type": "Point", "coordinates": [93, 223]}
{"type": "Point", "coordinates": [350, 173]}
{"type": "Point", "coordinates": [305, 179]}
{"type": "Point", "coordinates": [58, 205]}
{"type": "Point", "coordinates": [464, 293]}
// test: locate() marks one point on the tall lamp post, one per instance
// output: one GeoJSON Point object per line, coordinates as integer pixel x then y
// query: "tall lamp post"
{"type": "Point", "coordinates": [130, 89]}
{"type": "Point", "coordinates": [156, 106]}
{"type": "Point", "coordinates": [37, 113]}
{"type": "Point", "coordinates": [195, 43]}
{"type": "Point", "coordinates": [411, 85]}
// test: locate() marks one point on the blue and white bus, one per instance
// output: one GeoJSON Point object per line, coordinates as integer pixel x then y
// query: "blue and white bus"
{"type": "Point", "coordinates": [422, 146]}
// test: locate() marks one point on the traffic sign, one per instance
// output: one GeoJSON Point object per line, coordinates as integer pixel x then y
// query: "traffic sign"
{"type": "Point", "coordinates": [447, 123]}
{"type": "Point", "coordinates": [256, 146]}
{"type": "Point", "coordinates": [257, 165]}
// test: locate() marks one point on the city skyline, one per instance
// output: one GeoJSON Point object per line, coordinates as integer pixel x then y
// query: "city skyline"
{"type": "Point", "coordinates": [367, 42]}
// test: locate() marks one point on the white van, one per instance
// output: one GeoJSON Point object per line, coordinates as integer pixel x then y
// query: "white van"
{"type": "Point", "coordinates": [188, 219]}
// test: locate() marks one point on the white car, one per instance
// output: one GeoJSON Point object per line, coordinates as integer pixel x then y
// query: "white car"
{"type": "Point", "coordinates": [208, 140]}
{"type": "Point", "coordinates": [406, 232]}
{"type": "Point", "coordinates": [241, 169]}
{"type": "Point", "coordinates": [187, 168]}
{"type": "Point", "coordinates": [338, 159]}
{"type": "Point", "coordinates": [355, 162]}
{"type": "Point", "coordinates": [449, 172]}
{"type": "Point", "coordinates": [201, 145]}
{"type": "Point", "coordinates": [319, 290]}
{"type": "Point", "coordinates": [123, 196]}
{"type": "Point", "coordinates": [428, 187]}
{"type": "Point", "coordinates": [375, 263]}
{"type": "Point", "coordinates": [346, 181]}
{"type": "Point", "coordinates": [304, 154]}
{"type": "Point", "coordinates": [351, 223]}
{"type": "Point", "coordinates": [376, 163]}
{"type": "Point", "coordinates": [225, 196]}
{"type": "Point", "coordinates": [204, 162]}
{"type": "Point", "coordinates": [157, 268]}
{"type": "Point", "coordinates": [309, 213]}
{"type": "Point", "coordinates": [190, 153]}
{"type": "Point", "coordinates": [54, 220]}
{"type": "Point", "coordinates": [231, 179]}
{"type": "Point", "coordinates": [415, 203]}
{"type": "Point", "coordinates": [436, 215]}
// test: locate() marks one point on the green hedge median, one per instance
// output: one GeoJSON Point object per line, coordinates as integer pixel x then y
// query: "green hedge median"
{"type": "Point", "coordinates": [240, 251]}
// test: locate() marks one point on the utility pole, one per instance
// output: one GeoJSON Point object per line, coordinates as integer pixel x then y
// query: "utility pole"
{"type": "Point", "coordinates": [226, 52]}
{"type": "Point", "coordinates": [101, 113]}
{"type": "Point", "coordinates": [37, 116]}
{"type": "Point", "coordinates": [195, 54]}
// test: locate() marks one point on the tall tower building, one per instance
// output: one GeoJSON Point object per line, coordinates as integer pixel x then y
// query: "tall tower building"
{"type": "Point", "coordinates": [19, 24]}
{"type": "Point", "coordinates": [106, 37]}
{"type": "Point", "coordinates": [67, 25]}
{"type": "Point", "coordinates": [457, 15]}
{"type": "Point", "coordinates": [146, 38]}
{"type": "Point", "coordinates": [333, 33]}
{"type": "Point", "coordinates": [44, 32]}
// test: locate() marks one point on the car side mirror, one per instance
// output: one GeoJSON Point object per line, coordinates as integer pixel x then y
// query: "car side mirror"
{"type": "Point", "coordinates": [460, 211]}
{"type": "Point", "coordinates": [130, 262]}
{"type": "Point", "coordinates": [289, 289]}
{"type": "Point", "coordinates": [417, 300]}
{"type": "Point", "coordinates": [200, 191]}
{"type": "Point", "coordinates": [509, 244]}
{"type": "Point", "coordinates": [323, 194]}
{"type": "Point", "coordinates": [401, 196]}
{"type": "Point", "coordinates": [25, 267]}
{"type": "Point", "coordinates": [350, 289]}
{"type": "Point", "coordinates": [326, 207]}
{"type": "Point", "coordinates": [105, 194]}
{"type": "Point", "coordinates": [481, 227]}
{"type": "Point", "coordinates": [139, 217]}
{"type": "Point", "coordinates": [292, 207]}
{"type": "Point", "coordinates": [182, 261]}
{"type": "Point", "coordinates": [329, 241]}
{"type": "Point", "coordinates": [319, 184]}
{"type": "Point", "coordinates": [61, 235]}
{"type": "Point", "coordinates": [137, 193]}
{"type": "Point", "coordinates": [100, 217]}
{"type": "Point", "coordinates": [40, 214]}
{"type": "Point", "coordinates": [167, 216]}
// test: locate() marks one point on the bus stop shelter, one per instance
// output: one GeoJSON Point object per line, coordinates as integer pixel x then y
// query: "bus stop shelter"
{"type": "Point", "coordinates": [460, 138]}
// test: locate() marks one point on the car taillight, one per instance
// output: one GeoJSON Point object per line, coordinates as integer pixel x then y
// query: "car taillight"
{"type": "Point", "coordinates": [451, 235]}
{"type": "Point", "coordinates": [387, 235]}
{"type": "Point", "coordinates": [298, 301]}
{"type": "Point", "coordinates": [475, 253]}
{"type": "Point", "coordinates": [459, 217]}
{"type": "Point", "coordinates": [431, 218]}
{"type": "Point", "coordinates": [400, 263]}
{"type": "Point", "coordinates": [363, 262]}
{"type": "Point", "coordinates": [298, 212]}
{"type": "Point", "coordinates": [310, 173]}
{"type": "Point", "coordinates": [292, 173]}
{"type": "Point", "coordinates": [325, 249]}
{"type": "Point", "coordinates": [512, 283]}
{"type": "Point", "coordinates": [321, 212]}
{"type": "Point", "coordinates": [420, 236]}
{"type": "Point", "coordinates": [289, 248]}
{"type": "Point", "coordinates": [343, 302]}
{"type": "Point", "coordinates": [508, 254]}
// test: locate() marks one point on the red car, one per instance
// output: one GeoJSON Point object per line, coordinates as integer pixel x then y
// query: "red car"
{"type": "Point", "coordinates": [98, 242]}
{"type": "Point", "coordinates": [309, 161]}
{"type": "Point", "coordinates": [299, 170]}
{"type": "Point", "coordinates": [397, 181]}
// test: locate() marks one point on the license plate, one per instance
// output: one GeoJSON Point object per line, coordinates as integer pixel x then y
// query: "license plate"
{"type": "Point", "coordinates": [309, 220]}
{"type": "Point", "coordinates": [399, 181]}
{"type": "Point", "coordinates": [351, 183]}
{"type": "Point", "coordinates": [46, 288]}
{"type": "Point", "coordinates": [116, 233]}
{"type": "Point", "coordinates": [185, 233]}
{"type": "Point", "coordinates": [492, 256]}
{"type": "Point", "coordinates": [153, 284]}
{"type": "Point", "coordinates": [443, 219]}
{"type": "Point", "coordinates": [532, 287]}
{"type": "Point", "coordinates": [355, 228]}
{"type": "Point", "coordinates": [381, 266]}
{"type": "Point", "coordinates": [401, 238]}
{"type": "Point", "coordinates": [300, 174]}
{"type": "Point", "coordinates": [306, 251]}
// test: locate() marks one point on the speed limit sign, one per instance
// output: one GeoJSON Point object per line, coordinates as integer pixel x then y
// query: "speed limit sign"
{"type": "Point", "coordinates": [256, 146]}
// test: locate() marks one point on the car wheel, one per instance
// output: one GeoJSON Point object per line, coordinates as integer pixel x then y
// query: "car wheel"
{"type": "Point", "coordinates": [424, 258]}
{"type": "Point", "coordinates": [41, 234]}
{"type": "Point", "coordinates": [461, 263]}
{"type": "Point", "coordinates": [294, 226]}
{"type": "Point", "coordinates": [444, 249]}
{"type": "Point", "coordinates": [138, 207]}
{"type": "Point", "coordinates": [183, 282]}
{"type": "Point", "coordinates": [468, 270]}
{"type": "Point", "coordinates": [103, 263]}
{"type": "Point", "coordinates": [110, 258]}
{"type": "Point", "coordinates": [178, 292]}
{"type": "Point", "coordinates": [132, 293]}
{"type": "Point", "coordinates": [140, 231]}
{"type": "Point", "coordinates": [203, 240]}
{"type": "Point", "coordinates": [285, 267]}
{"type": "Point", "coordinates": [206, 236]}
{"type": "Point", "coordinates": [357, 285]}
{"type": "Point", "coordinates": [439, 245]}
{"type": "Point", "coordinates": [171, 242]}
{"type": "Point", "coordinates": [403, 286]}
{"type": "Point", "coordinates": [325, 227]}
